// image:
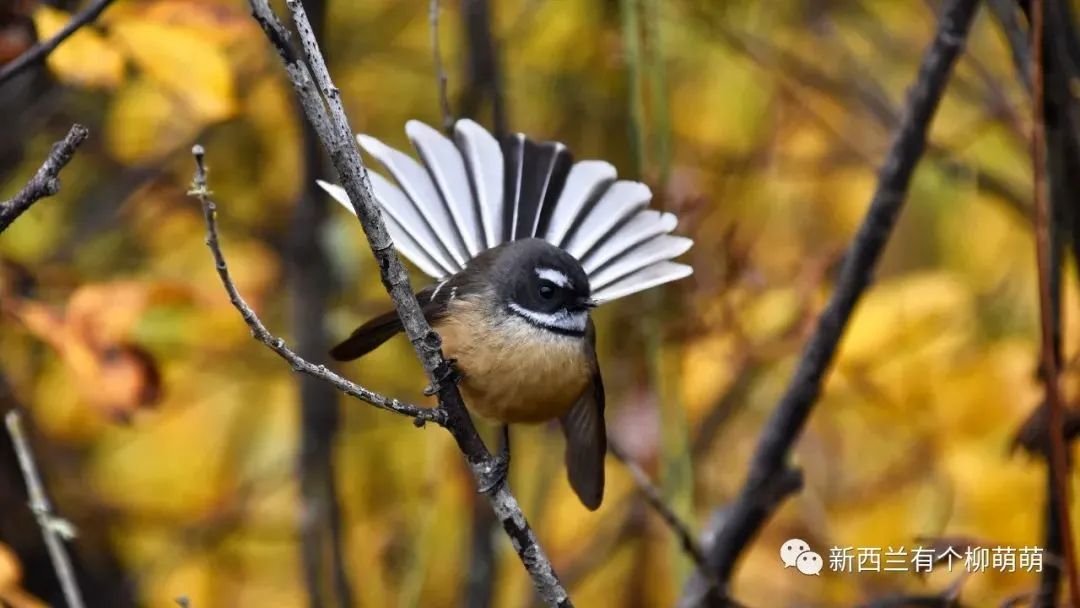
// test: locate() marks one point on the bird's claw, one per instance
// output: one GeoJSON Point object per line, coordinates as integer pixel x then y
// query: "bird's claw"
{"type": "Point", "coordinates": [447, 372]}
{"type": "Point", "coordinates": [493, 473]}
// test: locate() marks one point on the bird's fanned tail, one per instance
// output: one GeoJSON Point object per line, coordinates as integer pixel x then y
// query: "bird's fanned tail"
{"type": "Point", "coordinates": [472, 193]}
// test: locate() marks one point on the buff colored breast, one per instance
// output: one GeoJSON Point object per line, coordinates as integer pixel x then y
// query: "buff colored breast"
{"type": "Point", "coordinates": [514, 372]}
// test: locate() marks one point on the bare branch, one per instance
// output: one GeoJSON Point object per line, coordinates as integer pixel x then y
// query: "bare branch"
{"type": "Point", "coordinates": [1047, 306]}
{"type": "Point", "coordinates": [420, 415]}
{"type": "Point", "coordinates": [874, 100]}
{"type": "Point", "coordinates": [38, 52]}
{"type": "Point", "coordinates": [770, 479]}
{"type": "Point", "coordinates": [46, 182]}
{"type": "Point", "coordinates": [1005, 11]}
{"type": "Point", "coordinates": [440, 71]}
{"type": "Point", "coordinates": [655, 498]}
{"type": "Point", "coordinates": [327, 115]}
{"type": "Point", "coordinates": [53, 529]}
{"type": "Point", "coordinates": [482, 65]}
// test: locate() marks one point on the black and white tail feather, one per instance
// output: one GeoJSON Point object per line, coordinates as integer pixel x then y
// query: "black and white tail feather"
{"type": "Point", "coordinates": [472, 193]}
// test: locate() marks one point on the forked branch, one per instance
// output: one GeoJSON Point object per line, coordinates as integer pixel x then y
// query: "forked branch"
{"type": "Point", "coordinates": [771, 478]}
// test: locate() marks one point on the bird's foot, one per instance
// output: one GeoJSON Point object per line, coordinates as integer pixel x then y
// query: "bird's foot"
{"type": "Point", "coordinates": [447, 372]}
{"type": "Point", "coordinates": [493, 473]}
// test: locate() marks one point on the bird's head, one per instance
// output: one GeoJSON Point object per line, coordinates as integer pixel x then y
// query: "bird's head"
{"type": "Point", "coordinates": [545, 286]}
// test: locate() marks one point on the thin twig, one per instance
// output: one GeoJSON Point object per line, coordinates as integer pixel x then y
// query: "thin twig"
{"type": "Point", "coordinates": [872, 98]}
{"type": "Point", "coordinates": [746, 372]}
{"type": "Point", "coordinates": [1049, 363]}
{"type": "Point", "coordinates": [1005, 13]}
{"type": "Point", "coordinates": [420, 415]}
{"type": "Point", "coordinates": [41, 50]}
{"type": "Point", "coordinates": [440, 72]}
{"type": "Point", "coordinates": [765, 486]}
{"type": "Point", "coordinates": [655, 497]}
{"type": "Point", "coordinates": [46, 182]}
{"type": "Point", "coordinates": [482, 65]}
{"type": "Point", "coordinates": [1060, 147]}
{"type": "Point", "coordinates": [53, 529]}
{"type": "Point", "coordinates": [324, 109]}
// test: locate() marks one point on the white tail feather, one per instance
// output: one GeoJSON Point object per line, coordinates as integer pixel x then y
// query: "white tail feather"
{"type": "Point", "coordinates": [663, 247]}
{"type": "Point", "coordinates": [657, 274]}
{"type": "Point", "coordinates": [640, 228]}
{"type": "Point", "coordinates": [618, 203]}
{"type": "Point", "coordinates": [455, 205]}
{"type": "Point", "coordinates": [415, 182]}
{"type": "Point", "coordinates": [587, 179]}
{"type": "Point", "coordinates": [446, 166]}
{"type": "Point", "coordinates": [402, 240]}
{"type": "Point", "coordinates": [485, 162]}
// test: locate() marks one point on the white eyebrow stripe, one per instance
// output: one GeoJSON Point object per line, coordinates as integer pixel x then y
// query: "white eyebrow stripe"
{"type": "Point", "coordinates": [557, 277]}
{"type": "Point", "coordinates": [562, 320]}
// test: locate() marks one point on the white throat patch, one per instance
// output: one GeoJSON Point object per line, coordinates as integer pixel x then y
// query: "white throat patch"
{"type": "Point", "coordinates": [562, 321]}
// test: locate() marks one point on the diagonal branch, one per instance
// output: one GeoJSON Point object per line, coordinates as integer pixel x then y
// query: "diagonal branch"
{"type": "Point", "coordinates": [872, 98]}
{"type": "Point", "coordinates": [1005, 12]}
{"type": "Point", "coordinates": [53, 529]}
{"type": "Point", "coordinates": [1056, 460]}
{"type": "Point", "coordinates": [37, 53]}
{"type": "Point", "coordinates": [655, 497]}
{"type": "Point", "coordinates": [46, 182]}
{"type": "Point", "coordinates": [322, 104]}
{"type": "Point", "coordinates": [770, 478]}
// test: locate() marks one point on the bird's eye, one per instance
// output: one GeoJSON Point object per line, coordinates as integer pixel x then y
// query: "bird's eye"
{"type": "Point", "coordinates": [547, 290]}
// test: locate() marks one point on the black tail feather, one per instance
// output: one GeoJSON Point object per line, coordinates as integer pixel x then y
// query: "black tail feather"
{"type": "Point", "coordinates": [368, 337]}
{"type": "Point", "coordinates": [535, 174]}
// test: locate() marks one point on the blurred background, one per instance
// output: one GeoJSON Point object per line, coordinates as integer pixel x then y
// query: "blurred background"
{"type": "Point", "coordinates": [195, 463]}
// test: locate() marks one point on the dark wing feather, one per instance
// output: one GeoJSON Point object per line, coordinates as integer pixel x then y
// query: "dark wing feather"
{"type": "Point", "coordinates": [373, 333]}
{"type": "Point", "coordinates": [586, 437]}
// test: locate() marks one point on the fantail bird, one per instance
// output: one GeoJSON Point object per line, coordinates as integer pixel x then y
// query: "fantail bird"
{"type": "Point", "coordinates": [523, 243]}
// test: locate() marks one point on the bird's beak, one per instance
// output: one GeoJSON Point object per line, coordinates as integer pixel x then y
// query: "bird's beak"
{"type": "Point", "coordinates": [588, 303]}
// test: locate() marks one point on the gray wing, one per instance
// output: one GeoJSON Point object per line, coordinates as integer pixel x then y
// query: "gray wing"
{"type": "Point", "coordinates": [434, 301]}
{"type": "Point", "coordinates": [586, 436]}
{"type": "Point", "coordinates": [473, 192]}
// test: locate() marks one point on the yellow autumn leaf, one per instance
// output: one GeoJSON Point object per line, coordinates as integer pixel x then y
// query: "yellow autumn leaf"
{"type": "Point", "coordinates": [216, 23]}
{"type": "Point", "coordinates": [145, 123]}
{"type": "Point", "coordinates": [185, 64]}
{"type": "Point", "coordinates": [85, 59]}
{"type": "Point", "coordinates": [929, 311]}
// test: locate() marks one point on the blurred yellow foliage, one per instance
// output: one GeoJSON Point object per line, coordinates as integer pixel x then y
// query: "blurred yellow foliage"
{"type": "Point", "coordinates": [776, 117]}
{"type": "Point", "coordinates": [86, 59]}
{"type": "Point", "coordinates": [183, 63]}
